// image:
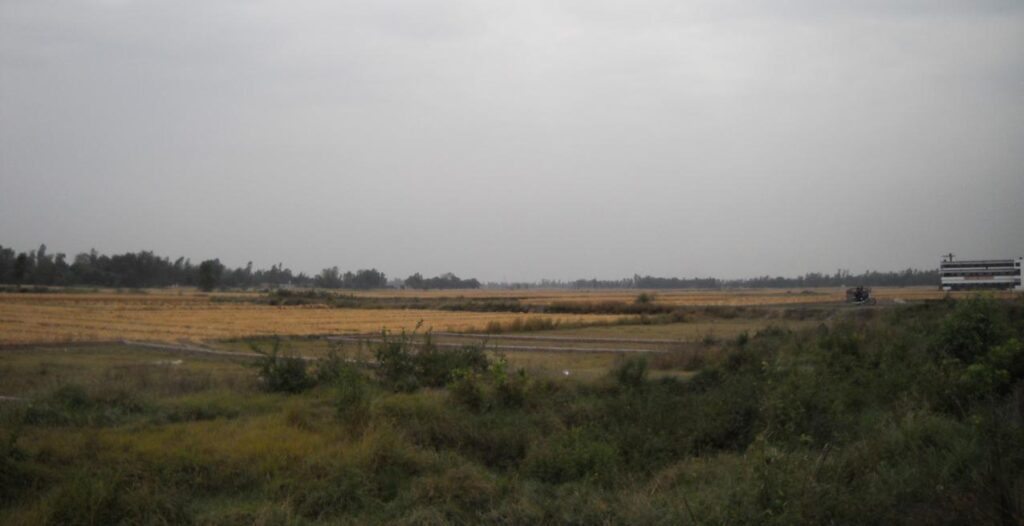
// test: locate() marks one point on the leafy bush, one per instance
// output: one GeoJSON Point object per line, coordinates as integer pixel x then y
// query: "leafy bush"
{"type": "Point", "coordinates": [976, 325]}
{"type": "Point", "coordinates": [570, 456]}
{"type": "Point", "coordinates": [467, 389]}
{"type": "Point", "coordinates": [282, 374]}
{"type": "Point", "coordinates": [396, 364]}
{"type": "Point", "coordinates": [402, 369]}
{"type": "Point", "coordinates": [72, 404]}
{"type": "Point", "coordinates": [509, 388]}
{"type": "Point", "coordinates": [435, 367]}
{"type": "Point", "coordinates": [632, 372]}
{"type": "Point", "coordinates": [351, 395]}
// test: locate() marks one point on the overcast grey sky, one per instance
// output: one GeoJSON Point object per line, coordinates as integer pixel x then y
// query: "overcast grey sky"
{"type": "Point", "coordinates": [516, 140]}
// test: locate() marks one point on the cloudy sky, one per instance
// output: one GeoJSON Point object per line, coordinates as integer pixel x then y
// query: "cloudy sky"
{"type": "Point", "coordinates": [516, 140]}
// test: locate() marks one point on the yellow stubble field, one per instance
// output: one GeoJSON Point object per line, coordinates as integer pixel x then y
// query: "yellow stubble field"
{"type": "Point", "coordinates": [182, 314]}
{"type": "Point", "coordinates": [173, 316]}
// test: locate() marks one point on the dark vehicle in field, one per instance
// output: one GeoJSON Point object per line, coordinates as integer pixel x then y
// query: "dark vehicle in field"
{"type": "Point", "coordinates": [859, 295]}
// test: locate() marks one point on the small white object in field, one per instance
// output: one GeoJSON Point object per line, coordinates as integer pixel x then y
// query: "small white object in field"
{"type": "Point", "coordinates": [565, 372]}
{"type": "Point", "coordinates": [899, 300]}
{"type": "Point", "coordinates": [168, 362]}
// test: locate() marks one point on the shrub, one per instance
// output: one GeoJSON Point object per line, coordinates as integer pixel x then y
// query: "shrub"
{"type": "Point", "coordinates": [435, 367]}
{"type": "Point", "coordinates": [509, 388]}
{"type": "Point", "coordinates": [974, 326]}
{"type": "Point", "coordinates": [344, 491]}
{"type": "Point", "coordinates": [396, 365]}
{"type": "Point", "coordinates": [632, 372]}
{"type": "Point", "coordinates": [72, 404]}
{"type": "Point", "coordinates": [351, 396]}
{"type": "Point", "coordinates": [282, 374]}
{"type": "Point", "coordinates": [465, 486]}
{"type": "Point", "coordinates": [644, 298]}
{"type": "Point", "coordinates": [467, 389]}
{"type": "Point", "coordinates": [330, 368]}
{"type": "Point", "coordinates": [571, 456]}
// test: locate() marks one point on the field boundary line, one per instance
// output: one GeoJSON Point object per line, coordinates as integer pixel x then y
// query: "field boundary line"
{"type": "Point", "coordinates": [508, 348]}
{"type": "Point", "coordinates": [568, 339]}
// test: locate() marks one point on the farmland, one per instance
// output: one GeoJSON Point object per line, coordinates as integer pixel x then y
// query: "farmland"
{"type": "Point", "coordinates": [738, 407]}
{"type": "Point", "coordinates": [176, 315]}
{"type": "Point", "coordinates": [163, 316]}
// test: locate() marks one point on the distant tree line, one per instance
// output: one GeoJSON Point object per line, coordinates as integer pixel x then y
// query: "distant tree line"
{"type": "Point", "coordinates": [146, 269]}
{"type": "Point", "coordinates": [444, 281]}
{"type": "Point", "coordinates": [903, 278]}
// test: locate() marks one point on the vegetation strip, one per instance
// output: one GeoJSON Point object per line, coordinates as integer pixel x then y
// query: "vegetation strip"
{"type": "Point", "coordinates": [509, 348]}
{"type": "Point", "coordinates": [198, 350]}
{"type": "Point", "coordinates": [568, 339]}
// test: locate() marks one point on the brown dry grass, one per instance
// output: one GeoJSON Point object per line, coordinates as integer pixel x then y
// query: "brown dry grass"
{"type": "Point", "coordinates": [163, 316]}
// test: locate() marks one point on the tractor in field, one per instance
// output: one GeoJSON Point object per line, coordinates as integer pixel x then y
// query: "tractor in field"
{"type": "Point", "coordinates": [859, 295]}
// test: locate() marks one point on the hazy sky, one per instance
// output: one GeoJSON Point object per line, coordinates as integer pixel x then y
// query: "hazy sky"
{"type": "Point", "coordinates": [516, 140]}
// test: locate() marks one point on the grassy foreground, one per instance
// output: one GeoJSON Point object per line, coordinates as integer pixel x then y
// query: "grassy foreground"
{"type": "Point", "coordinates": [907, 416]}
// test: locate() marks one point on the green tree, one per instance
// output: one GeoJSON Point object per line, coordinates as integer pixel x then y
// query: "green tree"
{"type": "Point", "coordinates": [210, 272]}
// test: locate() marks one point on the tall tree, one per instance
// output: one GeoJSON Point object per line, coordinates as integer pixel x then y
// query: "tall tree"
{"type": "Point", "coordinates": [210, 272]}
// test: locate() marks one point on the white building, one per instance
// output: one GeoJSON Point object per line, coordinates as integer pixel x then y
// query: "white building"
{"type": "Point", "coordinates": [967, 274]}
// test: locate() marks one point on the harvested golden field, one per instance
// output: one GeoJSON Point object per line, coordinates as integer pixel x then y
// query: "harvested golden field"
{"type": "Point", "coordinates": [167, 316]}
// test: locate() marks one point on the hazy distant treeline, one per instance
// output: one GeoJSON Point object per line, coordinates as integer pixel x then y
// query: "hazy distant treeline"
{"type": "Point", "coordinates": [903, 278]}
{"type": "Point", "coordinates": [145, 269]}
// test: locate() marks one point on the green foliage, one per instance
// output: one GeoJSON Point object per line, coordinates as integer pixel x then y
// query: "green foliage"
{"type": "Point", "coordinates": [467, 389]}
{"type": "Point", "coordinates": [976, 325]}
{"type": "Point", "coordinates": [510, 389]}
{"type": "Point", "coordinates": [435, 367]}
{"type": "Point", "coordinates": [405, 369]}
{"type": "Point", "coordinates": [396, 363]}
{"type": "Point", "coordinates": [73, 405]}
{"type": "Point", "coordinates": [282, 374]}
{"type": "Point", "coordinates": [210, 272]}
{"type": "Point", "coordinates": [351, 395]}
{"type": "Point", "coordinates": [571, 456]}
{"type": "Point", "coordinates": [632, 372]}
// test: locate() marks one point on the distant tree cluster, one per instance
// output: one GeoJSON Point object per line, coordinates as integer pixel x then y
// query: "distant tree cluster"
{"type": "Point", "coordinates": [145, 269]}
{"type": "Point", "coordinates": [332, 278]}
{"type": "Point", "coordinates": [444, 281]}
{"type": "Point", "coordinates": [904, 278]}
{"type": "Point", "coordinates": [135, 269]}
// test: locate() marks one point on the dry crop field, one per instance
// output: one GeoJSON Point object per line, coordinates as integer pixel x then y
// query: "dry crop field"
{"type": "Point", "coordinates": [180, 315]}
{"type": "Point", "coordinates": [170, 316]}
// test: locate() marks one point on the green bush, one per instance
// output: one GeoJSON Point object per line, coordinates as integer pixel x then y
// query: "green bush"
{"type": "Point", "coordinates": [632, 372]}
{"type": "Point", "coordinates": [510, 389]}
{"type": "Point", "coordinates": [571, 456]}
{"type": "Point", "coordinates": [467, 389]}
{"type": "Point", "coordinates": [975, 326]}
{"type": "Point", "coordinates": [435, 367]}
{"type": "Point", "coordinates": [396, 363]}
{"type": "Point", "coordinates": [351, 395]}
{"type": "Point", "coordinates": [72, 404]}
{"type": "Point", "coordinates": [282, 374]}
